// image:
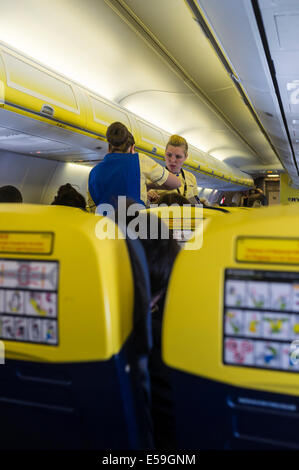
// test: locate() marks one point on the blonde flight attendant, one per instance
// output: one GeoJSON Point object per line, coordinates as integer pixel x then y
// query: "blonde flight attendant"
{"type": "Point", "coordinates": [176, 153]}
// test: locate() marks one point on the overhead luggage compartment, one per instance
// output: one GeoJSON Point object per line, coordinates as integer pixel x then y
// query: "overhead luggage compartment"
{"type": "Point", "coordinates": [149, 138]}
{"type": "Point", "coordinates": [102, 113]}
{"type": "Point", "coordinates": [196, 159]}
{"type": "Point", "coordinates": [30, 87]}
{"type": "Point", "coordinates": [66, 119]}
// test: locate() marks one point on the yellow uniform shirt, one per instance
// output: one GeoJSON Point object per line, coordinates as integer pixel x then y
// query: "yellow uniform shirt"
{"type": "Point", "coordinates": [150, 171]}
{"type": "Point", "coordinates": [189, 182]}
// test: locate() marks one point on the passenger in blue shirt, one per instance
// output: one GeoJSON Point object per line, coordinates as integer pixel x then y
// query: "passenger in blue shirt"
{"type": "Point", "coordinates": [124, 173]}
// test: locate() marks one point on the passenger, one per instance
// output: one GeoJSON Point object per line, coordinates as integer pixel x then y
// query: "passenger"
{"type": "Point", "coordinates": [244, 199]}
{"type": "Point", "coordinates": [10, 194]}
{"type": "Point", "coordinates": [236, 199]}
{"type": "Point", "coordinates": [257, 198]}
{"type": "Point", "coordinates": [205, 202]}
{"type": "Point", "coordinates": [256, 203]}
{"type": "Point", "coordinates": [67, 195]}
{"type": "Point", "coordinates": [161, 254]}
{"type": "Point", "coordinates": [176, 153]}
{"type": "Point", "coordinates": [141, 341]}
{"type": "Point", "coordinates": [254, 198]}
{"type": "Point", "coordinates": [170, 198]}
{"type": "Point", "coordinates": [124, 174]}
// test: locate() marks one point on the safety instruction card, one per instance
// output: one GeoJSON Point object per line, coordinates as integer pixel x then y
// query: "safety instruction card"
{"type": "Point", "coordinates": [261, 318]}
{"type": "Point", "coordinates": [28, 301]}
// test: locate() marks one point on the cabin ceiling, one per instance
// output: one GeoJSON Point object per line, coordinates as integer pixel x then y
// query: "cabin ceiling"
{"type": "Point", "coordinates": [260, 38]}
{"type": "Point", "coordinates": [215, 117]}
{"type": "Point", "coordinates": [154, 59]}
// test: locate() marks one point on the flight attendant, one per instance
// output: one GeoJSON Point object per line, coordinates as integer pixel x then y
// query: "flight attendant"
{"type": "Point", "coordinates": [176, 153]}
{"type": "Point", "coordinates": [124, 173]}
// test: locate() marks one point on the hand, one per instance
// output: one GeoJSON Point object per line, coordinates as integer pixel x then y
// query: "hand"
{"type": "Point", "coordinates": [152, 196]}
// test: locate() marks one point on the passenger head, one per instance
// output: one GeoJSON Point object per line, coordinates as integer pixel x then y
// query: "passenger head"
{"type": "Point", "coordinates": [10, 194]}
{"type": "Point", "coordinates": [67, 195]}
{"type": "Point", "coordinates": [119, 138]}
{"type": "Point", "coordinates": [169, 198]}
{"type": "Point", "coordinates": [160, 253]}
{"type": "Point", "coordinates": [176, 153]}
{"type": "Point", "coordinates": [204, 202]}
{"type": "Point", "coordinates": [159, 250]}
{"type": "Point", "coordinates": [257, 203]}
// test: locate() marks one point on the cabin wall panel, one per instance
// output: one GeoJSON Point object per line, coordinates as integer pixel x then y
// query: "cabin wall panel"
{"type": "Point", "coordinates": [38, 179]}
{"type": "Point", "coordinates": [76, 175]}
{"type": "Point", "coordinates": [29, 174]}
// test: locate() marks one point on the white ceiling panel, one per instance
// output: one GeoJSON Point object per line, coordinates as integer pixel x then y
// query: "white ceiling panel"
{"type": "Point", "coordinates": [184, 40]}
{"type": "Point", "coordinates": [281, 25]}
{"type": "Point", "coordinates": [237, 27]}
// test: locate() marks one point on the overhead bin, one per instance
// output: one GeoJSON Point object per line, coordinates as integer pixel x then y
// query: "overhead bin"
{"type": "Point", "coordinates": [218, 173]}
{"type": "Point", "coordinates": [33, 91]}
{"type": "Point", "coordinates": [197, 155]}
{"type": "Point", "coordinates": [149, 138]}
{"type": "Point", "coordinates": [205, 169]}
{"type": "Point", "coordinates": [198, 160]}
{"type": "Point", "coordinates": [101, 114]}
{"type": "Point", "coordinates": [31, 87]}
